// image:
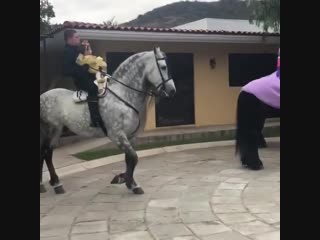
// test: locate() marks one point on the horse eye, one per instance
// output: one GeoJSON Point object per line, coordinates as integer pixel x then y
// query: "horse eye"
{"type": "Point", "coordinates": [163, 67]}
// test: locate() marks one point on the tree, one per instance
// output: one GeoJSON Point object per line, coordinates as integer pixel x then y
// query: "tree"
{"type": "Point", "coordinates": [111, 22]}
{"type": "Point", "coordinates": [265, 13]}
{"type": "Point", "coordinates": [46, 13]}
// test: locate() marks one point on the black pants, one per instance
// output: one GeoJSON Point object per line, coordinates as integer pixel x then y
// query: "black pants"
{"type": "Point", "coordinates": [93, 105]}
{"type": "Point", "coordinates": [89, 87]}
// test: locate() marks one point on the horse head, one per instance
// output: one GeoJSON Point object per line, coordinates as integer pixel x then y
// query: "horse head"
{"type": "Point", "coordinates": [160, 77]}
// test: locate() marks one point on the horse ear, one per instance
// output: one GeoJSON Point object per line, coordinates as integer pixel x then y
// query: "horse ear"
{"type": "Point", "coordinates": [156, 51]}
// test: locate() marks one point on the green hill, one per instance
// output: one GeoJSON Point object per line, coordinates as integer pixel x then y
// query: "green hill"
{"type": "Point", "coordinates": [178, 13]}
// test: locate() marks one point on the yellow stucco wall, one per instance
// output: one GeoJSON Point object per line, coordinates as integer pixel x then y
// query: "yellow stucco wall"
{"type": "Point", "coordinates": [215, 101]}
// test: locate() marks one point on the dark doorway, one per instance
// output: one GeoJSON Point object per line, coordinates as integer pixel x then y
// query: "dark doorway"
{"type": "Point", "coordinates": [180, 109]}
{"type": "Point", "coordinates": [114, 59]}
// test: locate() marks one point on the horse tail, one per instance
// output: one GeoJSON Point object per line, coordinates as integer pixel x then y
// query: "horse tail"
{"type": "Point", "coordinates": [45, 127]}
{"type": "Point", "coordinates": [49, 132]}
{"type": "Point", "coordinates": [44, 132]}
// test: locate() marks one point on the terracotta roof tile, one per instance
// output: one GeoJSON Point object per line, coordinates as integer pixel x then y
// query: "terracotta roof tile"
{"type": "Point", "coordinates": [93, 26]}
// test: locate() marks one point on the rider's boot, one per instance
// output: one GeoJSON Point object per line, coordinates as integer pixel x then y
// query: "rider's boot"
{"type": "Point", "coordinates": [96, 120]}
{"type": "Point", "coordinates": [94, 111]}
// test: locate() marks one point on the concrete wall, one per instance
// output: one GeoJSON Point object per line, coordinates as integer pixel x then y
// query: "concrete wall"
{"type": "Point", "coordinates": [215, 101]}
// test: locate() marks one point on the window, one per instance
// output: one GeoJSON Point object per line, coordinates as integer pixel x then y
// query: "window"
{"type": "Point", "coordinates": [243, 68]}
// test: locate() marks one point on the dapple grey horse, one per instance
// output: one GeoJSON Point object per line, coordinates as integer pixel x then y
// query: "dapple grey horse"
{"type": "Point", "coordinates": [123, 111]}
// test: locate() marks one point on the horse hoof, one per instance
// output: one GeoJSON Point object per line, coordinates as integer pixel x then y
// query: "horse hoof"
{"type": "Point", "coordinates": [118, 179]}
{"type": "Point", "coordinates": [138, 190]}
{"type": "Point", "coordinates": [244, 165]}
{"type": "Point", "coordinates": [59, 190]}
{"type": "Point", "coordinates": [42, 188]}
{"type": "Point", "coordinates": [262, 145]}
{"type": "Point", "coordinates": [256, 167]}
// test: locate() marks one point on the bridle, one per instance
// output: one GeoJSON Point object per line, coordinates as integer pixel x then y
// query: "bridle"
{"type": "Point", "coordinates": [164, 81]}
{"type": "Point", "coordinates": [152, 93]}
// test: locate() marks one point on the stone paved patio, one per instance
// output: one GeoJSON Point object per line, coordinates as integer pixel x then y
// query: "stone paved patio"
{"type": "Point", "coordinates": [199, 194]}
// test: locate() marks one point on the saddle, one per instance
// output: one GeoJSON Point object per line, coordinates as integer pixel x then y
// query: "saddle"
{"type": "Point", "coordinates": [101, 82]}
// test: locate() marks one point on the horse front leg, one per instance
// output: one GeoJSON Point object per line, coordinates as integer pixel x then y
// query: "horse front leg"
{"type": "Point", "coordinates": [131, 162]}
{"type": "Point", "coordinates": [131, 158]}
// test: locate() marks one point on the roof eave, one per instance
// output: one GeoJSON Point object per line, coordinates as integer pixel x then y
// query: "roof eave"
{"type": "Point", "coordinates": [175, 37]}
{"type": "Point", "coordinates": [43, 37]}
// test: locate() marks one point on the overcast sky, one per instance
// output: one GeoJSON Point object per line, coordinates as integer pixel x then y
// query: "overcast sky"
{"type": "Point", "coordinates": [97, 11]}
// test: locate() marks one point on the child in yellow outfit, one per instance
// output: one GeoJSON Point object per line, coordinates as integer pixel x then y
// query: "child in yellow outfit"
{"type": "Point", "coordinates": [96, 66]}
{"type": "Point", "coordinates": [95, 63]}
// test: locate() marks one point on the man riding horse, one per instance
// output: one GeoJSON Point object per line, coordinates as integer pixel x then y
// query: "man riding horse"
{"type": "Point", "coordinates": [75, 53]}
{"type": "Point", "coordinates": [124, 109]}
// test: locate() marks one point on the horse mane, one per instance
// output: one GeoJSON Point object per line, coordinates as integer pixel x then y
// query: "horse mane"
{"type": "Point", "coordinates": [131, 61]}
{"type": "Point", "coordinates": [128, 62]}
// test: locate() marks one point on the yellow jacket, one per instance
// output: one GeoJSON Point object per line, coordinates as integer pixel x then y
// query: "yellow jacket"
{"type": "Point", "coordinates": [95, 63]}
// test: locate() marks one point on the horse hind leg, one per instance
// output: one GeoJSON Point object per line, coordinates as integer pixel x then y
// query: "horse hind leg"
{"type": "Point", "coordinates": [42, 158]}
{"type": "Point", "coordinates": [44, 132]}
{"type": "Point", "coordinates": [49, 136]}
{"type": "Point", "coordinates": [54, 179]}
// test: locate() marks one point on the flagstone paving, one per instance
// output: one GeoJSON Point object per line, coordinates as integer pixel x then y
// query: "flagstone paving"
{"type": "Point", "coordinates": [198, 194]}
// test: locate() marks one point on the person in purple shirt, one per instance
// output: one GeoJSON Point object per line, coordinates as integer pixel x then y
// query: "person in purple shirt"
{"type": "Point", "coordinates": [266, 89]}
{"type": "Point", "coordinates": [255, 101]}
